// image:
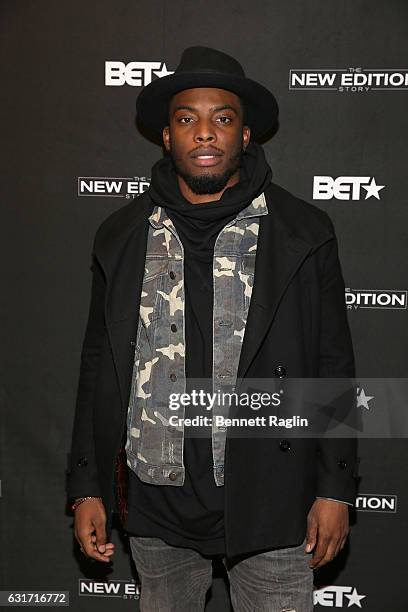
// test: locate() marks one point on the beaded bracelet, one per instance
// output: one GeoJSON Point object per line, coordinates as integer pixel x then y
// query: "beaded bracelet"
{"type": "Point", "coordinates": [79, 501]}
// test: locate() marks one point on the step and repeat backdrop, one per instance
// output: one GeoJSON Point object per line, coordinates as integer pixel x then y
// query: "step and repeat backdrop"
{"type": "Point", "coordinates": [72, 154]}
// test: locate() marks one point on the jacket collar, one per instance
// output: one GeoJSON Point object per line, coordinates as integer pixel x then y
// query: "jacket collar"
{"type": "Point", "coordinates": [256, 208]}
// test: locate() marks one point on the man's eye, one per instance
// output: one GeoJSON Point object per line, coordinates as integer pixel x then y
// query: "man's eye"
{"type": "Point", "coordinates": [224, 119]}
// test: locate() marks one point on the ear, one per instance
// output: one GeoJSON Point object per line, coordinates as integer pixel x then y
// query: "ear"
{"type": "Point", "coordinates": [246, 136]}
{"type": "Point", "coordinates": [166, 137]}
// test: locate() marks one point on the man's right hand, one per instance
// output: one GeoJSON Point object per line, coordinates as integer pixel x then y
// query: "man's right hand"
{"type": "Point", "coordinates": [90, 530]}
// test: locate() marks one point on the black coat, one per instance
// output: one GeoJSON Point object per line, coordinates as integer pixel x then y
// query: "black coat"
{"type": "Point", "coordinates": [297, 327]}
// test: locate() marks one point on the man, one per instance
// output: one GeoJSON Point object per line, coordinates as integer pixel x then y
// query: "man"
{"type": "Point", "coordinates": [176, 299]}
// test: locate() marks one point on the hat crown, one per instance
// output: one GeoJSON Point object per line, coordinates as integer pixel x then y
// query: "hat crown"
{"type": "Point", "coordinates": [206, 59]}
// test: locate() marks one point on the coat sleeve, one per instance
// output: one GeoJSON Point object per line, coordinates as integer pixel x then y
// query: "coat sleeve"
{"type": "Point", "coordinates": [82, 474]}
{"type": "Point", "coordinates": [337, 457]}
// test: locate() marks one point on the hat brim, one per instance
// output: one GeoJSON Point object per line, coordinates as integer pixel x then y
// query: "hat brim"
{"type": "Point", "coordinates": [153, 101]}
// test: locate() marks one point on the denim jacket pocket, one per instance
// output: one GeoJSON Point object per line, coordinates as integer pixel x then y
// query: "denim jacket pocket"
{"type": "Point", "coordinates": [154, 284]}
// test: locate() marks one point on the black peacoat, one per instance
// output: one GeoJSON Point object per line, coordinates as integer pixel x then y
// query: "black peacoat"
{"type": "Point", "coordinates": [297, 327]}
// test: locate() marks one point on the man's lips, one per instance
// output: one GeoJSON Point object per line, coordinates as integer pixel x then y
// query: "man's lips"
{"type": "Point", "coordinates": [208, 152]}
{"type": "Point", "coordinates": [206, 157]}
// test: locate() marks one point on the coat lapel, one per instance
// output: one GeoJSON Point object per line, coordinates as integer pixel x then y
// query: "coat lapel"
{"type": "Point", "coordinates": [284, 242]}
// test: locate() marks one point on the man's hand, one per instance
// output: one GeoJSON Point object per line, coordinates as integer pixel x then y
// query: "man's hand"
{"type": "Point", "coordinates": [328, 526]}
{"type": "Point", "coordinates": [89, 530]}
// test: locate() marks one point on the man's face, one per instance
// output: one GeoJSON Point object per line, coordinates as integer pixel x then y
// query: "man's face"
{"type": "Point", "coordinates": [206, 137]}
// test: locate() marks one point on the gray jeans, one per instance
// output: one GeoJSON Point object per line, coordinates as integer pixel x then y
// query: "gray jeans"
{"type": "Point", "coordinates": [177, 579]}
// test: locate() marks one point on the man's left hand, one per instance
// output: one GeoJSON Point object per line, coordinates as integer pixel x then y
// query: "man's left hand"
{"type": "Point", "coordinates": [327, 530]}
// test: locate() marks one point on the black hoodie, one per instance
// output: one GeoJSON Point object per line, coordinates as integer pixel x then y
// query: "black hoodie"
{"type": "Point", "coordinates": [192, 515]}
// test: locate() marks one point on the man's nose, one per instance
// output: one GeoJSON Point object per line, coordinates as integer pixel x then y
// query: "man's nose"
{"type": "Point", "coordinates": [204, 132]}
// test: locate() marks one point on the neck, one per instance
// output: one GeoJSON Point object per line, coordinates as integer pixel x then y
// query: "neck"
{"type": "Point", "coordinates": [202, 198]}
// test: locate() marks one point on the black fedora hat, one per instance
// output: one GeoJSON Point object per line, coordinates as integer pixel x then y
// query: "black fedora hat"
{"type": "Point", "coordinates": [207, 67]}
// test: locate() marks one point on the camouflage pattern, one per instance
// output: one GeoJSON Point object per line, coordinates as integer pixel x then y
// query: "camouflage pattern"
{"type": "Point", "coordinates": [154, 448]}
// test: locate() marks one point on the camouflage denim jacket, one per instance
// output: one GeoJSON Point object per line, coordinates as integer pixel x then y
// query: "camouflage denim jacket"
{"type": "Point", "coordinates": [154, 448]}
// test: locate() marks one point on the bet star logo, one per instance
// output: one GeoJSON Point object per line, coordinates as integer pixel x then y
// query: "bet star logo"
{"type": "Point", "coordinates": [363, 399]}
{"type": "Point", "coordinates": [345, 188]}
{"type": "Point", "coordinates": [337, 596]}
{"type": "Point", "coordinates": [135, 74]}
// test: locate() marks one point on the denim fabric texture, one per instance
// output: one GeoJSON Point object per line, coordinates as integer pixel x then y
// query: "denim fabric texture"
{"type": "Point", "coordinates": [176, 579]}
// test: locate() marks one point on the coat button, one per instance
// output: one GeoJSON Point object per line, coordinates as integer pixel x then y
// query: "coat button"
{"type": "Point", "coordinates": [342, 464]}
{"type": "Point", "coordinates": [280, 371]}
{"type": "Point", "coordinates": [284, 445]}
{"type": "Point", "coordinates": [173, 327]}
{"type": "Point", "coordinates": [82, 461]}
{"type": "Point", "coordinates": [173, 475]}
{"type": "Point", "coordinates": [173, 377]}
{"type": "Point", "coordinates": [172, 274]}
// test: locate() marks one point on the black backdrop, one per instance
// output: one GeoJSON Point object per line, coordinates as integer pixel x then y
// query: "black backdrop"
{"type": "Point", "coordinates": [62, 121]}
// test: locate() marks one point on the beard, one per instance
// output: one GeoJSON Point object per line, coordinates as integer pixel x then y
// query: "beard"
{"type": "Point", "coordinates": [209, 182]}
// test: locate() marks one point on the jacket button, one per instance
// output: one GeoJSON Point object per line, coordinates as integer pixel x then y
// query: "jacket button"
{"type": "Point", "coordinates": [173, 377]}
{"type": "Point", "coordinates": [342, 464]}
{"type": "Point", "coordinates": [224, 323]}
{"type": "Point", "coordinates": [280, 371]}
{"type": "Point", "coordinates": [82, 461]}
{"type": "Point", "coordinates": [284, 445]}
{"type": "Point", "coordinates": [173, 327]}
{"type": "Point", "coordinates": [172, 274]}
{"type": "Point", "coordinates": [173, 475]}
